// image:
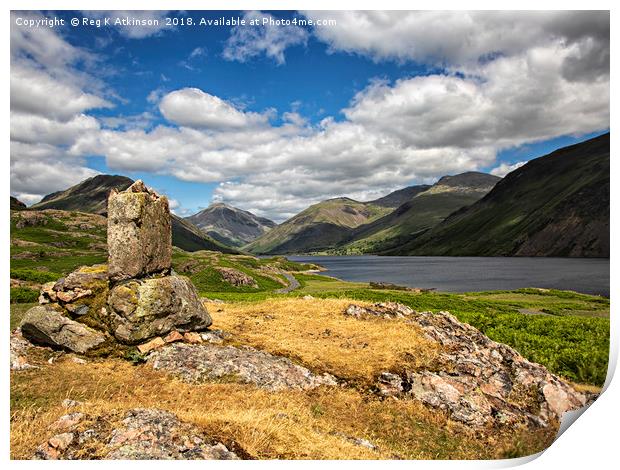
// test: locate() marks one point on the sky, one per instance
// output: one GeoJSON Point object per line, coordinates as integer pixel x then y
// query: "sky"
{"type": "Point", "coordinates": [273, 116]}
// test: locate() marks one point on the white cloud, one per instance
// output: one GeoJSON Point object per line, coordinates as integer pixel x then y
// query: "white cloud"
{"type": "Point", "coordinates": [250, 41]}
{"type": "Point", "coordinates": [192, 107]}
{"type": "Point", "coordinates": [505, 168]}
{"type": "Point", "coordinates": [456, 37]}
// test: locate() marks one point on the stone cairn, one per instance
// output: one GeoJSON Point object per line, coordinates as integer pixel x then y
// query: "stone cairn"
{"type": "Point", "coordinates": [134, 298]}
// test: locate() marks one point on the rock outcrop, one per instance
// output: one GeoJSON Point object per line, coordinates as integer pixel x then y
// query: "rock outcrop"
{"type": "Point", "coordinates": [144, 434]}
{"type": "Point", "coordinates": [130, 300]}
{"type": "Point", "coordinates": [197, 363]}
{"type": "Point", "coordinates": [477, 381]}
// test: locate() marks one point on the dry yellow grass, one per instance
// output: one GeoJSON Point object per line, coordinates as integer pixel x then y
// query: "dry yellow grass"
{"type": "Point", "coordinates": [316, 333]}
{"type": "Point", "coordinates": [266, 425]}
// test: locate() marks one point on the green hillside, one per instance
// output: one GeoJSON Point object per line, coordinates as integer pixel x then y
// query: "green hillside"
{"type": "Point", "coordinates": [320, 226]}
{"type": "Point", "coordinates": [417, 215]}
{"type": "Point", "coordinates": [555, 205]}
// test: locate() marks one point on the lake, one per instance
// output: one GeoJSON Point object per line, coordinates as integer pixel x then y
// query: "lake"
{"type": "Point", "coordinates": [468, 274]}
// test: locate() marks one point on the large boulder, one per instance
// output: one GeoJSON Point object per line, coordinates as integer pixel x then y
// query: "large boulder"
{"type": "Point", "coordinates": [139, 233]}
{"type": "Point", "coordinates": [46, 326]}
{"type": "Point", "coordinates": [143, 308]}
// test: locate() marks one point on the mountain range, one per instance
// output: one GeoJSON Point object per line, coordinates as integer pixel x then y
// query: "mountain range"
{"type": "Point", "coordinates": [554, 205]}
{"type": "Point", "coordinates": [91, 196]}
{"type": "Point", "coordinates": [229, 225]}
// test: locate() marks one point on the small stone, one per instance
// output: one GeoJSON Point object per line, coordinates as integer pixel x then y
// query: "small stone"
{"type": "Point", "coordinates": [67, 422]}
{"type": "Point", "coordinates": [79, 360]}
{"type": "Point", "coordinates": [68, 403]}
{"type": "Point", "coordinates": [192, 337]}
{"type": "Point", "coordinates": [308, 297]}
{"type": "Point", "coordinates": [173, 336]}
{"type": "Point", "coordinates": [61, 441]}
{"type": "Point", "coordinates": [153, 344]}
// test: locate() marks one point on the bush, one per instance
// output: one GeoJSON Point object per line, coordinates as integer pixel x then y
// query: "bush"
{"type": "Point", "coordinates": [33, 275]}
{"type": "Point", "coordinates": [22, 295]}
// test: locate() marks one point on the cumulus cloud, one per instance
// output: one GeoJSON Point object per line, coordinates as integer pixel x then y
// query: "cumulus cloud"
{"type": "Point", "coordinates": [192, 107]}
{"type": "Point", "coordinates": [505, 168]}
{"type": "Point", "coordinates": [247, 42]}
{"type": "Point", "coordinates": [456, 37]}
{"type": "Point", "coordinates": [49, 101]}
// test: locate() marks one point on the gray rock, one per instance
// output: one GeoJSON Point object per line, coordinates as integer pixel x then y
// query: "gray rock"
{"type": "Point", "coordinates": [197, 363]}
{"type": "Point", "coordinates": [139, 233]}
{"type": "Point", "coordinates": [44, 325]}
{"type": "Point", "coordinates": [477, 381]}
{"type": "Point", "coordinates": [143, 308]}
{"type": "Point", "coordinates": [144, 434]}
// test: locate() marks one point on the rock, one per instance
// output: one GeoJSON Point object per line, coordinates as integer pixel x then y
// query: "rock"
{"type": "Point", "coordinates": [192, 338]}
{"type": "Point", "coordinates": [386, 310]}
{"type": "Point", "coordinates": [479, 382]}
{"type": "Point", "coordinates": [142, 309]}
{"type": "Point", "coordinates": [143, 434]}
{"type": "Point", "coordinates": [236, 278]}
{"type": "Point", "coordinates": [139, 233]}
{"type": "Point", "coordinates": [173, 336]}
{"type": "Point", "coordinates": [214, 336]}
{"type": "Point", "coordinates": [153, 344]}
{"type": "Point", "coordinates": [390, 384]}
{"type": "Point", "coordinates": [197, 363]}
{"type": "Point", "coordinates": [157, 434]}
{"type": "Point", "coordinates": [68, 403]}
{"type": "Point", "coordinates": [18, 350]}
{"type": "Point", "coordinates": [67, 422]}
{"type": "Point", "coordinates": [44, 325]}
{"type": "Point", "coordinates": [308, 297]}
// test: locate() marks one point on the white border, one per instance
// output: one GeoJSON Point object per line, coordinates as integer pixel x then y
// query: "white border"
{"type": "Point", "coordinates": [590, 443]}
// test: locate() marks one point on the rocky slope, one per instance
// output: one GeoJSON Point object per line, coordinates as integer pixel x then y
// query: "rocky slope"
{"type": "Point", "coordinates": [17, 205]}
{"type": "Point", "coordinates": [91, 196]}
{"type": "Point", "coordinates": [425, 210]}
{"type": "Point", "coordinates": [399, 197]}
{"type": "Point", "coordinates": [229, 225]}
{"type": "Point", "coordinates": [555, 205]}
{"type": "Point", "coordinates": [320, 226]}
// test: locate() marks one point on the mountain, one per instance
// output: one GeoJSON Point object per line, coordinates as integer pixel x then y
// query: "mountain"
{"type": "Point", "coordinates": [426, 209]}
{"type": "Point", "coordinates": [17, 205]}
{"type": "Point", "coordinates": [320, 226]}
{"type": "Point", "coordinates": [229, 225]}
{"type": "Point", "coordinates": [91, 196]}
{"type": "Point", "coordinates": [400, 196]}
{"type": "Point", "coordinates": [555, 205]}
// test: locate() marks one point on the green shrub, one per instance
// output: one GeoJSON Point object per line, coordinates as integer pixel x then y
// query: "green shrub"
{"type": "Point", "coordinates": [22, 295]}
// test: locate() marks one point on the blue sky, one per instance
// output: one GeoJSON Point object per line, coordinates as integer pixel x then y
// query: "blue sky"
{"type": "Point", "coordinates": [274, 118]}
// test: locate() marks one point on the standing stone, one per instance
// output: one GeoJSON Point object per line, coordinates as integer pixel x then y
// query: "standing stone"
{"type": "Point", "coordinates": [139, 233]}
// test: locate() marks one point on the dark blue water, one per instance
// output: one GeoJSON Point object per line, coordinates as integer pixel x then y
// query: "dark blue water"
{"type": "Point", "coordinates": [469, 274]}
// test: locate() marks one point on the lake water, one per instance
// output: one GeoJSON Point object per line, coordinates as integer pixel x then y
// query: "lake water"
{"type": "Point", "coordinates": [468, 274]}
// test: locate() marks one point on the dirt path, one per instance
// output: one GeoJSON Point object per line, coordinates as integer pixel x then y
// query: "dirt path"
{"type": "Point", "coordinates": [292, 284]}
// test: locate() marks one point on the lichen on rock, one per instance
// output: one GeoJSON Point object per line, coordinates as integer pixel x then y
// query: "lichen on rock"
{"type": "Point", "coordinates": [139, 233]}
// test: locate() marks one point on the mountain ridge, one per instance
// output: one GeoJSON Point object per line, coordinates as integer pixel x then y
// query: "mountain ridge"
{"type": "Point", "coordinates": [230, 225]}
{"type": "Point", "coordinates": [554, 205]}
